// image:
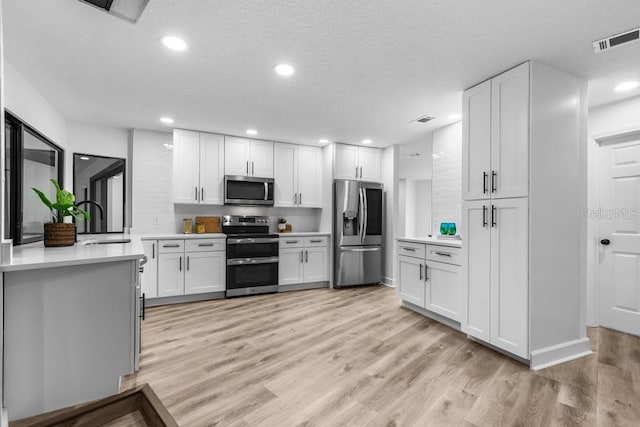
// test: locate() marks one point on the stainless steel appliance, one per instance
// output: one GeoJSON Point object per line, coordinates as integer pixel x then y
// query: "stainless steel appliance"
{"type": "Point", "coordinates": [252, 255]}
{"type": "Point", "coordinates": [248, 191]}
{"type": "Point", "coordinates": [358, 236]}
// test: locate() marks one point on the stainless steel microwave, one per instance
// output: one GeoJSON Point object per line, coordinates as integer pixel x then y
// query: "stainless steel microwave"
{"type": "Point", "coordinates": [248, 191]}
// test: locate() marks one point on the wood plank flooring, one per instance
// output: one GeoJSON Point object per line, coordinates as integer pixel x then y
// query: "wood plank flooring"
{"type": "Point", "coordinates": [355, 357]}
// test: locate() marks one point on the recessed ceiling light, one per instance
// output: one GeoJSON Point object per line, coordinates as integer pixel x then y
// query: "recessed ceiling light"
{"type": "Point", "coordinates": [252, 132]}
{"type": "Point", "coordinates": [455, 116]}
{"type": "Point", "coordinates": [284, 69]}
{"type": "Point", "coordinates": [168, 146]}
{"type": "Point", "coordinates": [323, 141]}
{"type": "Point", "coordinates": [366, 141]}
{"type": "Point", "coordinates": [84, 158]}
{"type": "Point", "coordinates": [166, 120]}
{"type": "Point", "coordinates": [623, 87]}
{"type": "Point", "coordinates": [174, 43]}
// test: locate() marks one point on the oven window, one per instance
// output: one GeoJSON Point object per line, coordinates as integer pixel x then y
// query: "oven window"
{"type": "Point", "coordinates": [245, 276]}
{"type": "Point", "coordinates": [252, 250]}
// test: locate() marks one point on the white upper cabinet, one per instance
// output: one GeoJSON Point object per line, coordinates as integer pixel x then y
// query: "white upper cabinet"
{"type": "Point", "coordinates": [510, 133]}
{"type": "Point", "coordinates": [197, 167]}
{"type": "Point", "coordinates": [495, 137]}
{"type": "Point", "coordinates": [298, 176]}
{"type": "Point", "coordinates": [361, 163]}
{"type": "Point", "coordinates": [476, 142]}
{"type": "Point", "coordinates": [247, 157]}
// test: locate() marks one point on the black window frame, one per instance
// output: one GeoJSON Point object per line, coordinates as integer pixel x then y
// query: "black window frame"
{"type": "Point", "coordinates": [15, 195]}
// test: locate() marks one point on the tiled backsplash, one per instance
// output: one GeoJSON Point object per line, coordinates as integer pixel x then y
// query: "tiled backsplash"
{"type": "Point", "coordinates": [446, 185]}
{"type": "Point", "coordinates": [153, 207]}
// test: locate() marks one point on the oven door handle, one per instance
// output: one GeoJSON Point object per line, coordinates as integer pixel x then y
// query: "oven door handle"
{"type": "Point", "coordinates": [247, 241]}
{"type": "Point", "coordinates": [249, 261]}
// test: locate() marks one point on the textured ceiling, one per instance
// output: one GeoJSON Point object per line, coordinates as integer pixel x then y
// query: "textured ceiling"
{"type": "Point", "coordinates": [365, 68]}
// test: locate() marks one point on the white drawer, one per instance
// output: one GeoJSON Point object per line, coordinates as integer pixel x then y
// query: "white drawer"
{"type": "Point", "coordinates": [445, 254]}
{"type": "Point", "coordinates": [416, 250]}
{"type": "Point", "coordinates": [291, 242]}
{"type": "Point", "coordinates": [313, 241]}
{"type": "Point", "coordinates": [170, 246]}
{"type": "Point", "coordinates": [205, 245]}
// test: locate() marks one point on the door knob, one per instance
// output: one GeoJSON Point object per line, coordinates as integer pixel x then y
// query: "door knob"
{"type": "Point", "coordinates": [605, 242]}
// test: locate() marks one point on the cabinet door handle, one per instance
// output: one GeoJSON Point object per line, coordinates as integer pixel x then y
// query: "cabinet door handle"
{"type": "Point", "coordinates": [484, 216]}
{"type": "Point", "coordinates": [301, 256]}
{"type": "Point", "coordinates": [485, 177]}
{"type": "Point", "coordinates": [420, 271]}
{"type": "Point", "coordinates": [205, 244]}
{"type": "Point", "coordinates": [356, 172]}
{"type": "Point", "coordinates": [306, 255]}
{"type": "Point", "coordinates": [494, 214]}
{"type": "Point", "coordinates": [360, 172]}
{"type": "Point", "coordinates": [247, 167]}
{"type": "Point", "coordinates": [494, 179]}
{"type": "Point", "coordinates": [295, 198]}
{"type": "Point", "coordinates": [443, 254]}
{"type": "Point", "coordinates": [180, 264]}
{"type": "Point", "coordinates": [315, 241]}
{"type": "Point", "coordinates": [196, 192]}
{"type": "Point", "coordinates": [143, 306]}
{"type": "Point", "coordinates": [300, 198]}
{"type": "Point", "coordinates": [188, 263]}
{"type": "Point", "coordinates": [426, 273]}
{"type": "Point", "coordinates": [252, 169]}
{"type": "Point", "coordinates": [404, 248]}
{"type": "Point", "coordinates": [288, 242]}
{"type": "Point", "coordinates": [153, 251]}
{"type": "Point", "coordinates": [202, 194]}
{"type": "Point", "coordinates": [171, 246]}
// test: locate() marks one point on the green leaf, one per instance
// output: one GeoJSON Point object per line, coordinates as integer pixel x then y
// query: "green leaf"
{"type": "Point", "coordinates": [44, 198]}
{"type": "Point", "coordinates": [55, 184]}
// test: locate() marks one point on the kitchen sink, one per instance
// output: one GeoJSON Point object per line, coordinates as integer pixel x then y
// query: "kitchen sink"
{"type": "Point", "coordinates": [103, 242]}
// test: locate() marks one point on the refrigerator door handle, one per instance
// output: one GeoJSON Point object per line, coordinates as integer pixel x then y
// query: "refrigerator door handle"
{"type": "Point", "coordinates": [361, 214]}
{"type": "Point", "coordinates": [366, 214]}
{"type": "Point", "coordinates": [365, 249]}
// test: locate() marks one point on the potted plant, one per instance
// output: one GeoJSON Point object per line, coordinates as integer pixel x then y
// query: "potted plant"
{"type": "Point", "coordinates": [58, 232]}
{"type": "Point", "coordinates": [282, 224]}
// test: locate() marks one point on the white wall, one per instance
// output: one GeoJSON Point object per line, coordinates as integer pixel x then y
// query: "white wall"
{"type": "Point", "coordinates": [390, 159]}
{"type": "Point", "coordinates": [446, 185]}
{"type": "Point", "coordinates": [608, 120]}
{"type": "Point", "coordinates": [420, 167]}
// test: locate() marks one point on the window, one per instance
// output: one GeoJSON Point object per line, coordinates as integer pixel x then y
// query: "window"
{"type": "Point", "coordinates": [31, 162]}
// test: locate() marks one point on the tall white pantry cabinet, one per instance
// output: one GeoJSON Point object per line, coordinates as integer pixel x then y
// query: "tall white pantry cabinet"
{"type": "Point", "coordinates": [524, 136]}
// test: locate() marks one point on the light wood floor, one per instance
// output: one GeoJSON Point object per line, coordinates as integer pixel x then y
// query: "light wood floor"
{"type": "Point", "coordinates": [355, 357]}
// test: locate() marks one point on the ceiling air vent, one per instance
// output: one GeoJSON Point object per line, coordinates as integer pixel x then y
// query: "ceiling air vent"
{"type": "Point", "coordinates": [616, 41]}
{"type": "Point", "coordinates": [129, 10]}
{"type": "Point", "coordinates": [423, 119]}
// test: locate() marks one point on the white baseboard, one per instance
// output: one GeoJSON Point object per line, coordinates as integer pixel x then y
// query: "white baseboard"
{"type": "Point", "coordinates": [560, 353]}
{"type": "Point", "coordinates": [388, 281]}
{"type": "Point", "coordinates": [4, 418]}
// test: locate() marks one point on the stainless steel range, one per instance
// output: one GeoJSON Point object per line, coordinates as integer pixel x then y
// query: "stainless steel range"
{"type": "Point", "coordinates": [252, 255]}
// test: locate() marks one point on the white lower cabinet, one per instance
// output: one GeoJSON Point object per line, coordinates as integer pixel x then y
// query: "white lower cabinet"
{"type": "Point", "coordinates": [149, 276]}
{"type": "Point", "coordinates": [430, 278]}
{"type": "Point", "coordinates": [303, 260]}
{"type": "Point", "coordinates": [184, 267]}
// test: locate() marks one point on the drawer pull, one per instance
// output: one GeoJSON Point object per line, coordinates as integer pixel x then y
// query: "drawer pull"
{"type": "Point", "coordinates": [315, 241]}
{"type": "Point", "coordinates": [443, 254]}
{"type": "Point", "coordinates": [408, 249]}
{"type": "Point", "coordinates": [170, 246]}
{"type": "Point", "coordinates": [288, 242]}
{"type": "Point", "coordinates": [205, 244]}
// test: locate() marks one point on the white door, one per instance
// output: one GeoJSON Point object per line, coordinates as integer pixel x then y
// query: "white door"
{"type": "Point", "coordinates": [285, 175]}
{"type": "Point", "coordinates": [149, 275]}
{"type": "Point", "coordinates": [510, 133]}
{"type": "Point", "coordinates": [261, 159]}
{"type": "Point", "coordinates": [346, 162]}
{"type": "Point", "coordinates": [205, 272]}
{"type": "Point", "coordinates": [476, 268]}
{"type": "Point", "coordinates": [211, 168]}
{"type": "Point", "coordinates": [510, 275]}
{"type": "Point", "coordinates": [369, 159]}
{"type": "Point", "coordinates": [443, 292]}
{"type": "Point", "coordinates": [316, 265]}
{"type": "Point", "coordinates": [236, 156]}
{"type": "Point", "coordinates": [476, 142]}
{"type": "Point", "coordinates": [290, 266]}
{"type": "Point", "coordinates": [619, 284]}
{"type": "Point", "coordinates": [186, 166]}
{"type": "Point", "coordinates": [309, 177]}
{"type": "Point", "coordinates": [411, 277]}
{"type": "Point", "coordinates": [170, 274]}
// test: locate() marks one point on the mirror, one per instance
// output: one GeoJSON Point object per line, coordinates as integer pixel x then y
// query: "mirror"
{"type": "Point", "coordinates": [99, 187]}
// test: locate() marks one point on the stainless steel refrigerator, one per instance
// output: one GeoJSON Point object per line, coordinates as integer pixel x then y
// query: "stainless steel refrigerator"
{"type": "Point", "coordinates": [358, 237]}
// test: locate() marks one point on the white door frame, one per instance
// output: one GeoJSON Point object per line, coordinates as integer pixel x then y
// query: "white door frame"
{"type": "Point", "coordinates": [593, 226]}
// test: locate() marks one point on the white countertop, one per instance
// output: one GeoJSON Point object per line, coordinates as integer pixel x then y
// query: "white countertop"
{"type": "Point", "coordinates": [305, 233]}
{"type": "Point", "coordinates": [432, 241]}
{"type": "Point", "coordinates": [35, 255]}
{"type": "Point", "coordinates": [171, 236]}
